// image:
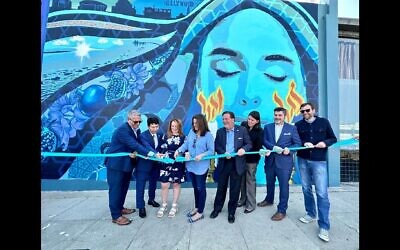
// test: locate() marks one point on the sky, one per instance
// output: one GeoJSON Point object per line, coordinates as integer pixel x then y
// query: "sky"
{"type": "Point", "coordinates": [348, 8]}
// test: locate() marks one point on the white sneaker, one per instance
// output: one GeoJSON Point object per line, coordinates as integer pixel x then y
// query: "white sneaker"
{"type": "Point", "coordinates": [307, 219]}
{"type": "Point", "coordinates": [323, 234]}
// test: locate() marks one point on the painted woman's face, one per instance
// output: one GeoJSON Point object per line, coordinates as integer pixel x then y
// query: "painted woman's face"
{"type": "Point", "coordinates": [249, 61]}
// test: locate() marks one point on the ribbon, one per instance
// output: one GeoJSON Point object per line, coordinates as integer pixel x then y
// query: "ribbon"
{"type": "Point", "coordinates": [61, 154]}
{"type": "Point", "coordinates": [168, 160]}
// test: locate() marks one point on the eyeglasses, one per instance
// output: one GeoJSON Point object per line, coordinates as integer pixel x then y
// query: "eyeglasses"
{"type": "Point", "coordinates": [194, 142]}
{"type": "Point", "coordinates": [305, 110]}
{"type": "Point", "coordinates": [136, 122]}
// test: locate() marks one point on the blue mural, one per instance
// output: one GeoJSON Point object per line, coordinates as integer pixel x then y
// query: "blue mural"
{"type": "Point", "coordinates": [169, 58]}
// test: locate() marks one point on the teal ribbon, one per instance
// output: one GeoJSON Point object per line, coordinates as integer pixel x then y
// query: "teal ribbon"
{"type": "Point", "coordinates": [167, 160]}
{"type": "Point", "coordinates": [61, 154]}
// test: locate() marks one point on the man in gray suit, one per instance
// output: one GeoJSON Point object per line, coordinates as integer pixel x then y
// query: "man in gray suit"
{"type": "Point", "coordinates": [230, 139]}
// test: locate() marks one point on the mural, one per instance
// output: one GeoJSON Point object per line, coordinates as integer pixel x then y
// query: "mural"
{"type": "Point", "coordinates": [169, 58]}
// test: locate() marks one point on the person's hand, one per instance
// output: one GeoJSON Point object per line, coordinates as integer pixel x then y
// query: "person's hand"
{"type": "Point", "coordinates": [133, 155]}
{"type": "Point", "coordinates": [277, 149]}
{"type": "Point", "coordinates": [199, 157]}
{"type": "Point", "coordinates": [228, 157]}
{"type": "Point", "coordinates": [159, 155]}
{"type": "Point", "coordinates": [187, 155]}
{"type": "Point", "coordinates": [241, 152]}
{"type": "Point", "coordinates": [176, 154]}
{"type": "Point", "coordinates": [320, 144]}
{"type": "Point", "coordinates": [150, 154]}
{"type": "Point", "coordinates": [308, 145]}
{"type": "Point", "coordinates": [265, 152]}
{"type": "Point", "coordinates": [286, 151]}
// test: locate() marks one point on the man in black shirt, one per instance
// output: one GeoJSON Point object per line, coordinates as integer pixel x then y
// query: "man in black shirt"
{"type": "Point", "coordinates": [317, 135]}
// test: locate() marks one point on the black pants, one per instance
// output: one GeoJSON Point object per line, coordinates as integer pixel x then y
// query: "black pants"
{"type": "Point", "coordinates": [228, 173]}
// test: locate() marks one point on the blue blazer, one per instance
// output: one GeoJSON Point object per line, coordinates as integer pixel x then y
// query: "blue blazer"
{"type": "Point", "coordinates": [289, 138]}
{"type": "Point", "coordinates": [147, 141]}
{"type": "Point", "coordinates": [241, 140]}
{"type": "Point", "coordinates": [125, 141]}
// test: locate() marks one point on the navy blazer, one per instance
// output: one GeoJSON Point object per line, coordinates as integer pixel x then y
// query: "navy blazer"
{"type": "Point", "coordinates": [124, 140]}
{"type": "Point", "coordinates": [148, 142]}
{"type": "Point", "coordinates": [288, 138]}
{"type": "Point", "coordinates": [241, 140]}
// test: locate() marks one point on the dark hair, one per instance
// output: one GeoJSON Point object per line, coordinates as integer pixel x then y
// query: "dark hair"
{"type": "Point", "coordinates": [169, 131]}
{"type": "Point", "coordinates": [278, 109]}
{"type": "Point", "coordinates": [201, 124]}
{"type": "Point", "coordinates": [231, 114]}
{"type": "Point", "coordinates": [256, 115]}
{"type": "Point", "coordinates": [152, 120]}
{"type": "Point", "coordinates": [307, 103]}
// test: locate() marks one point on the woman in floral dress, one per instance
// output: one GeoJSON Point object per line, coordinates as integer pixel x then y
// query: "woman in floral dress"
{"type": "Point", "coordinates": [171, 173]}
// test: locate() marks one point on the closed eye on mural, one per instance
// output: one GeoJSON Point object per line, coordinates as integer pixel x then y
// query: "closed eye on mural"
{"type": "Point", "coordinates": [227, 63]}
{"type": "Point", "coordinates": [277, 67]}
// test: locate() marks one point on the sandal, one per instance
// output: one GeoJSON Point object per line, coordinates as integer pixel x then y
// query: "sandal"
{"type": "Point", "coordinates": [162, 210]}
{"type": "Point", "coordinates": [192, 212]}
{"type": "Point", "coordinates": [191, 220]}
{"type": "Point", "coordinates": [173, 211]}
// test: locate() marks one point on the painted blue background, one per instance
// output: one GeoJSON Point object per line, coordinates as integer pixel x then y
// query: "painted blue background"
{"type": "Point", "coordinates": [102, 58]}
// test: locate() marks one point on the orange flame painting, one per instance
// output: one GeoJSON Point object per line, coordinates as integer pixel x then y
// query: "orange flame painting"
{"type": "Point", "coordinates": [212, 106]}
{"type": "Point", "coordinates": [292, 102]}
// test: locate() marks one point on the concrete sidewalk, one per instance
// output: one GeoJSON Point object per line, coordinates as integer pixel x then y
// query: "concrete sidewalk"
{"type": "Point", "coordinates": [81, 220]}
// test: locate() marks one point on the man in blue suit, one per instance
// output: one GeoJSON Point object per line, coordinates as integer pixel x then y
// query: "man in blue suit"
{"type": "Point", "coordinates": [119, 169]}
{"type": "Point", "coordinates": [148, 170]}
{"type": "Point", "coordinates": [279, 136]}
{"type": "Point", "coordinates": [230, 139]}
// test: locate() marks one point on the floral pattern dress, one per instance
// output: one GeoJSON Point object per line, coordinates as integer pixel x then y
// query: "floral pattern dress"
{"type": "Point", "coordinates": [176, 172]}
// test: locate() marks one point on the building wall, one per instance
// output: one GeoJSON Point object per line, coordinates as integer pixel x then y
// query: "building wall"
{"type": "Point", "coordinates": [97, 65]}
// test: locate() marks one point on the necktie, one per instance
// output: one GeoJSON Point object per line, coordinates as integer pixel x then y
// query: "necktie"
{"type": "Point", "coordinates": [137, 132]}
{"type": "Point", "coordinates": [155, 141]}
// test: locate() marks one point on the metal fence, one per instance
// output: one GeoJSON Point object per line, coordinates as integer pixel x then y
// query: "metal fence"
{"type": "Point", "coordinates": [349, 155]}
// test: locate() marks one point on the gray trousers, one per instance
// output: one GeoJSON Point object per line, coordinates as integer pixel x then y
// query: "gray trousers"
{"type": "Point", "coordinates": [248, 187]}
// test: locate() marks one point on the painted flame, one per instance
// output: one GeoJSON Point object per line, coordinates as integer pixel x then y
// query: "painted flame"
{"type": "Point", "coordinates": [211, 106]}
{"type": "Point", "coordinates": [292, 101]}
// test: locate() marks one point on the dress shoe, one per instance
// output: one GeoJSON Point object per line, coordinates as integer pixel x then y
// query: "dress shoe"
{"type": "Point", "coordinates": [128, 210]}
{"type": "Point", "coordinates": [153, 203]}
{"type": "Point", "coordinates": [278, 216]}
{"type": "Point", "coordinates": [264, 203]}
{"type": "Point", "coordinates": [214, 214]}
{"type": "Point", "coordinates": [142, 212]}
{"type": "Point", "coordinates": [231, 218]}
{"type": "Point", "coordinates": [122, 221]}
{"type": "Point", "coordinates": [247, 211]}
